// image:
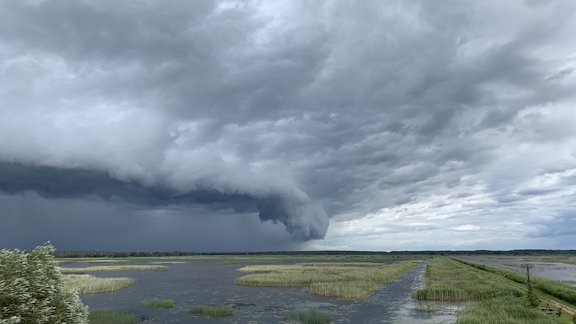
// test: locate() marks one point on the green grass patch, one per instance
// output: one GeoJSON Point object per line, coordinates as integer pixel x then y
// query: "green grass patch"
{"type": "Point", "coordinates": [112, 268]}
{"type": "Point", "coordinates": [340, 280]}
{"type": "Point", "coordinates": [159, 303]}
{"type": "Point", "coordinates": [87, 284]}
{"type": "Point", "coordinates": [212, 311]}
{"type": "Point", "coordinates": [448, 280]}
{"type": "Point", "coordinates": [502, 310]}
{"type": "Point", "coordinates": [310, 317]}
{"type": "Point", "coordinates": [110, 316]}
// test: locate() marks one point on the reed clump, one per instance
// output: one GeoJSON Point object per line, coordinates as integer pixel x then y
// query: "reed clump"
{"type": "Point", "coordinates": [308, 317]}
{"type": "Point", "coordinates": [341, 280]}
{"type": "Point", "coordinates": [88, 284]}
{"type": "Point", "coordinates": [112, 268]}
{"type": "Point", "coordinates": [159, 303]}
{"type": "Point", "coordinates": [212, 310]}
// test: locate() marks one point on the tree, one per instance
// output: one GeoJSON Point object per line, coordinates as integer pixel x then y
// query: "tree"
{"type": "Point", "coordinates": [32, 290]}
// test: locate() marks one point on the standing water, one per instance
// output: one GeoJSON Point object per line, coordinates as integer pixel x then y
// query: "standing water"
{"type": "Point", "coordinates": [198, 283]}
{"type": "Point", "coordinates": [394, 304]}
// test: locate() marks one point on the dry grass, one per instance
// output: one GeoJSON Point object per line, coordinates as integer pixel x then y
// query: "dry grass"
{"type": "Point", "coordinates": [340, 280]}
{"type": "Point", "coordinates": [112, 268]}
{"type": "Point", "coordinates": [87, 284]}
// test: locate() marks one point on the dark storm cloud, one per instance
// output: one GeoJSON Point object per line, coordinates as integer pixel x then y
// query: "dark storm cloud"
{"type": "Point", "coordinates": [61, 183]}
{"type": "Point", "coordinates": [87, 224]}
{"type": "Point", "coordinates": [296, 109]}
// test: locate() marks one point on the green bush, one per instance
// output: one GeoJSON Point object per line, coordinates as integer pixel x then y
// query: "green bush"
{"type": "Point", "coordinates": [32, 290]}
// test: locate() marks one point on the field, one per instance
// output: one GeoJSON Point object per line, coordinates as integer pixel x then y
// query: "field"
{"type": "Point", "coordinates": [311, 289]}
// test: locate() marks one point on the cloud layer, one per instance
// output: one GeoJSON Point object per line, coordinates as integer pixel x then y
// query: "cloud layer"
{"type": "Point", "coordinates": [399, 121]}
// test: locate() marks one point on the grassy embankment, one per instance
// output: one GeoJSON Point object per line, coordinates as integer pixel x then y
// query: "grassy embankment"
{"type": "Point", "coordinates": [340, 280]}
{"type": "Point", "coordinates": [553, 288]}
{"type": "Point", "coordinates": [489, 297]}
{"type": "Point", "coordinates": [212, 311]}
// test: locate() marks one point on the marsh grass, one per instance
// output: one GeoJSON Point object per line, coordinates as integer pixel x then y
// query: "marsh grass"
{"type": "Point", "coordinates": [340, 280]}
{"type": "Point", "coordinates": [502, 310]}
{"type": "Point", "coordinates": [87, 284]}
{"type": "Point", "coordinates": [159, 303]}
{"type": "Point", "coordinates": [448, 280]}
{"type": "Point", "coordinates": [428, 306]}
{"type": "Point", "coordinates": [112, 268]}
{"type": "Point", "coordinates": [212, 310]}
{"type": "Point", "coordinates": [490, 298]}
{"type": "Point", "coordinates": [103, 260]}
{"type": "Point", "coordinates": [110, 316]}
{"type": "Point", "coordinates": [309, 317]}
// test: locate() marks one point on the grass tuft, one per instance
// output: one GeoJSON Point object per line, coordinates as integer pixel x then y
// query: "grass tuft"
{"type": "Point", "coordinates": [159, 303]}
{"type": "Point", "coordinates": [310, 317]}
{"type": "Point", "coordinates": [87, 284]}
{"type": "Point", "coordinates": [505, 309]}
{"type": "Point", "coordinates": [212, 311]}
{"type": "Point", "coordinates": [112, 268]}
{"type": "Point", "coordinates": [110, 316]}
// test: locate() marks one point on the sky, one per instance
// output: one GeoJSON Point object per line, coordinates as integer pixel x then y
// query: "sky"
{"type": "Point", "coordinates": [288, 125]}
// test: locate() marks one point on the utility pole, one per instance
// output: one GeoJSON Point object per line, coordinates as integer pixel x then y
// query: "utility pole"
{"type": "Point", "coordinates": [528, 267]}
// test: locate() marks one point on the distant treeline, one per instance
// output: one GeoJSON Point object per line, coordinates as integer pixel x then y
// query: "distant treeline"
{"type": "Point", "coordinates": [91, 254]}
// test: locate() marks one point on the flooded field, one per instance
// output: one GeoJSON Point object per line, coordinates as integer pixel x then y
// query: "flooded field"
{"type": "Point", "coordinates": [541, 267]}
{"type": "Point", "coordinates": [202, 282]}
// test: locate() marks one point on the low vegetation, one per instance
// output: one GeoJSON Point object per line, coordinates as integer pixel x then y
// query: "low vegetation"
{"type": "Point", "coordinates": [110, 316]}
{"type": "Point", "coordinates": [159, 303]}
{"type": "Point", "coordinates": [310, 317]}
{"type": "Point", "coordinates": [87, 284]}
{"type": "Point", "coordinates": [505, 309]}
{"type": "Point", "coordinates": [212, 311]}
{"type": "Point", "coordinates": [113, 268]}
{"type": "Point", "coordinates": [448, 280]}
{"type": "Point", "coordinates": [340, 280]}
{"type": "Point", "coordinates": [489, 298]}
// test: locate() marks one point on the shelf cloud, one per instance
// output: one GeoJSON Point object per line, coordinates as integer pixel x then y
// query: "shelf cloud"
{"type": "Point", "coordinates": [372, 125]}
